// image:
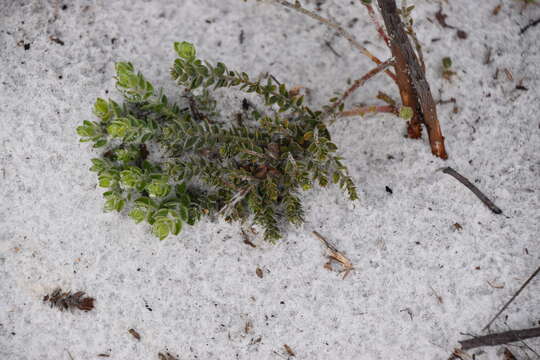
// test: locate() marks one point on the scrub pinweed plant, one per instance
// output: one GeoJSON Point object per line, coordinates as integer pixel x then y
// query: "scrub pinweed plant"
{"type": "Point", "coordinates": [171, 163]}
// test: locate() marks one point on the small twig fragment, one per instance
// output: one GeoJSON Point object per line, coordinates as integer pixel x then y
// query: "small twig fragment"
{"type": "Point", "coordinates": [289, 351]}
{"type": "Point", "coordinates": [336, 255]}
{"type": "Point", "coordinates": [246, 239]}
{"type": "Point", "coordinates": [364, 110]}
{"type": "Point", "coordinates": [494, 285]}
{"type": "Point", "coordinates": [528, 26]}
{"type": "Point", "coordinates": [135, 334]}
{"type": "Point", "coordinates": [473, 188]}
{"type": "Point", "coordinates": [361, 81]}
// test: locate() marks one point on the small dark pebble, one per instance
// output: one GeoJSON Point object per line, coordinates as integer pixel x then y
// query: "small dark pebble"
{"type": "Point", "coordinates": [462, 34]}
{"type": "Point", "coordinates": [26, 46]}
{"type": "Point", "coordinates": [388, 190]}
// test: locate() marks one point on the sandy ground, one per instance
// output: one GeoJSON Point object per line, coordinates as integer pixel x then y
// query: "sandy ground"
{"type": "Point", "coordinates": [419, 282]}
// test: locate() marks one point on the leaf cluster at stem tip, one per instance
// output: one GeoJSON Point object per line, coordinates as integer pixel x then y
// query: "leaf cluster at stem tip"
{"type": "Point", "coordinates": [169, 163]}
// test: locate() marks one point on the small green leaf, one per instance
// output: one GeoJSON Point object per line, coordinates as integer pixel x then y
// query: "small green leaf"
{"type": "Point", "coordinates": [406, 113]}
{"type": "Point", "coordinates": [185, 50]}
{"type": "Point", "coordinates": [447, 62]}
{"type": "Point", "coordinates": [137, 215]}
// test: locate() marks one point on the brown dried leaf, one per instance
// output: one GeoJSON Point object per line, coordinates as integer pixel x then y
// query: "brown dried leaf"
{"type": "Point", "coordinates": [441, 19]}
{"type": "Point", "coordinates": [507, 355]}
{"type": "Point", "coordinates": [246, 239]}
{"type": "Point", "coordinates": [289, 350]}
{"type": "Point", "coordinates": [66, 300]}
{"type": "Point", "coordinates": [457, 226]}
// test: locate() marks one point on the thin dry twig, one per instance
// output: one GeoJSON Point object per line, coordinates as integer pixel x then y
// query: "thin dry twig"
{"type": "Point", "coordinates": [448, 170]}
{"type": "Point", "coordinates": [363, 110]}
{"type": "Point", "coordinates": [339, 29]}
{"type": "Point", "coordinates": [512, 298]}
{"type": "Point", "coordinates": [376, 22]}
{"type": "Point", "coordinates": [500, 338]}
{"type": "Point", "coordinates": [336, 255]}
{"type": "Point", "coordinates": [359, 82]}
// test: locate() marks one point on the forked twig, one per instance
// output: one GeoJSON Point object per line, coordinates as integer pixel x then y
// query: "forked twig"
{"type": "Point", "coordinates": [512, 298]}
{"type": "Point", "coordinates": [336, 255]}
{"type": "Point", "coordinates": [359, 82]}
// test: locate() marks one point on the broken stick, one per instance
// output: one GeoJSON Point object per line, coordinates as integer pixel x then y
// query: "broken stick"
{"type": "Point", "coordinates": [336, 255]}
{"type": "Point", "coordinates": [473, 188]}
{"type": "Point", "coordinates": [500, 338]}
{"type": "Point", "coordinates": [411, 79]}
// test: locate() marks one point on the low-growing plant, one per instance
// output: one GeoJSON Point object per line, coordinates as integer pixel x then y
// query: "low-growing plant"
{"type": "Point", "coordinates": [170, 163]}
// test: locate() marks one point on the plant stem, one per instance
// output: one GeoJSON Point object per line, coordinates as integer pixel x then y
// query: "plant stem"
{"type": "Point", "coordinates": [361, 111]}
{"type": "Point", "coordinates": [360, 82]}
{"type": "Point", "coordinates": [340, 30]}
{"type": "Point", "coordinates": [413, 86]}
{"type": "Point", "coordinates": [376, 22]}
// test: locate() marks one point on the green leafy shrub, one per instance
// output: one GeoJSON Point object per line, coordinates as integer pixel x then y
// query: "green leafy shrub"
{"type": "Point", "coordinates": [172, 163]}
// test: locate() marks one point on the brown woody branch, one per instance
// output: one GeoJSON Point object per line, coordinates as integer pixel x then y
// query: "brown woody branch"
{"type": "Point", "coordinates": [413, 86]}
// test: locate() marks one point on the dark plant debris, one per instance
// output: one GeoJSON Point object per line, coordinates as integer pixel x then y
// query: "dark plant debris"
{"type": "Point", "coordinates": [67, 300]}
{"type": "Point", "coordinates": [56, 40]}
{"type": "Point", "coordinates": [473, 188]}
{"type": "Point", "coordinates": [500, 338]}
{"type": "Point", "coordinates": [289, 351]}
{"type": "Point", "coordinates": [166, 356]}
{"type": "Point", "coordinates": [530, 25]}
{"type": "Point", "coordinates": [135, 334]}
{"type": "Point", "coordinates": [247, 241]}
